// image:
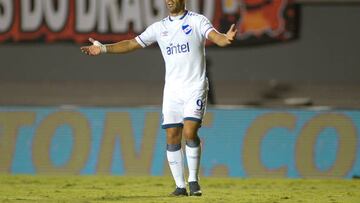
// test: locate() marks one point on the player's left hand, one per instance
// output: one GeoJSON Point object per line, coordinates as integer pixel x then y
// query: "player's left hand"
{"type": "Point", "coordinates": [92, 50]}
{"type": "Point", "coordinates": [231, 33]}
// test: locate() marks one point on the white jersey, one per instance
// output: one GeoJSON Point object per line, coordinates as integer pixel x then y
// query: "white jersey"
{"type": "Point", "coordinates": [182, 43]}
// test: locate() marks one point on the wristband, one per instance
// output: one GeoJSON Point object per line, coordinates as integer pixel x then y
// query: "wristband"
{"type": "Point", "coordinates": [102, 47]}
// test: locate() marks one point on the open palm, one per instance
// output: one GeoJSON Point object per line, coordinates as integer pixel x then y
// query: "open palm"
{"type": "Point", "coordinates": [92, 50]}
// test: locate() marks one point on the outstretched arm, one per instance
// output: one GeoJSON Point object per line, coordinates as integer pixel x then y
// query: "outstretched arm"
{"type": "Point", "coordinates": [117, 48]}
{"type": "Point", "coordinates": [221, 39]}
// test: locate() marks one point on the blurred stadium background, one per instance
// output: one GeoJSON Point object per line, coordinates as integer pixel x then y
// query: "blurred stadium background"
{"type": "Point", "coordinates": [285, 104]}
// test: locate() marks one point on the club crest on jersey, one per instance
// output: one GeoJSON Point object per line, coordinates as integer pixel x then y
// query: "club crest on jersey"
{"type": "Point", "coordinates": [187, 29]}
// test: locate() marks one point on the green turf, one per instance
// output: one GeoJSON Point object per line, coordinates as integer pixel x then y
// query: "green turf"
{"type": "Point", "coordinates": [156, 189]}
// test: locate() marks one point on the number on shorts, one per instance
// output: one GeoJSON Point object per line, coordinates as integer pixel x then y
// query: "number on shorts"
{"type": "Point", "coordinates": [200, 104]}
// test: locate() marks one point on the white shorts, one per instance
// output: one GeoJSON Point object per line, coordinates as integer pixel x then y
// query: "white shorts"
{"type": "Point", "coordinates": [183, 104]}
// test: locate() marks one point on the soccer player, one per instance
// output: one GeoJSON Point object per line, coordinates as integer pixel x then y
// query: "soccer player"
{"type": "Point", "coordinates": [181, 37]}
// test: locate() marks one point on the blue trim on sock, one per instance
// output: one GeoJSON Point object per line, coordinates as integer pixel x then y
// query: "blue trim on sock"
{"type": "Point", "coordinates": [173, 125]}
{"type": "Point", "coordinates": [193, 143]}
{"type": "Point", "coordinates": [173, 147]}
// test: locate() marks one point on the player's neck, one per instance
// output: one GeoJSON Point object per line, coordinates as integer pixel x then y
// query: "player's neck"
{"type": "Point", "coordinates": [178, 13]}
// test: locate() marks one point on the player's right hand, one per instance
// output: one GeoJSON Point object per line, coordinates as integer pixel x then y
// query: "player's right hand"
{"type": "Point", "coordinates": [92, 50]}
{"type": "Point", "coordinates": [231, 33]}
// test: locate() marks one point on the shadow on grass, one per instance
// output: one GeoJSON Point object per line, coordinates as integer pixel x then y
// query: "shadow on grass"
{"type": "Point", "coordinates": [129, 197]}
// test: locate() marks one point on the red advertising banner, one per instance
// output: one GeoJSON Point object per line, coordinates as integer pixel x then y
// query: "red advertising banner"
{"type": "Point", "coordinates": [258, 21]}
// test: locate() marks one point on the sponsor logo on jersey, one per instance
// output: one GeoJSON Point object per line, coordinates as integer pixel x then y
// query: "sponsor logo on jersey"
{"type": "Point", "coordinates": [164, 34]}
{"type": "Point", "coordinates": [187, 29]}
{"type": "Point", "coordinates": [178, 49]}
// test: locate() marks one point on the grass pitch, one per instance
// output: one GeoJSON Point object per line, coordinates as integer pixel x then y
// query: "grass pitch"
{"type": "Point", "coordinates": [156, 189]}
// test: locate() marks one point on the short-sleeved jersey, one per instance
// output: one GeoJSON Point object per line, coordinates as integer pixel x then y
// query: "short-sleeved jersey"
{"type": "Point", "coordinates": [182, 43]}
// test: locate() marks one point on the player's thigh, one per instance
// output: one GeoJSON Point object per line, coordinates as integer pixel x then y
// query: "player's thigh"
{"type": "Point", "coordinates": [195, 105]}
{"type": "Point", "coordinates": [172, 110]}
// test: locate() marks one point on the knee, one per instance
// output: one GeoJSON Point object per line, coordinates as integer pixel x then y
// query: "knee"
{"type": "Point", "coordinates": [173, 136]}
{"type": "Point", "coordinates": [190, 134]}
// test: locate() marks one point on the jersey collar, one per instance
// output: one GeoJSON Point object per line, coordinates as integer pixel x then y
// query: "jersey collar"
{"type": "Point", "coordinates": [182, 17]}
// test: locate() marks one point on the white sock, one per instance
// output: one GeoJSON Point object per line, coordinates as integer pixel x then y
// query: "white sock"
{"type": "Point", "coordinates": [176, 164]}
{"type": "Point", "coordinates": [193, 155]}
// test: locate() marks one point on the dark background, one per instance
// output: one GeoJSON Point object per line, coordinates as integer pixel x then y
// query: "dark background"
{"type": "Point", "coordinates": [323, 64]}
